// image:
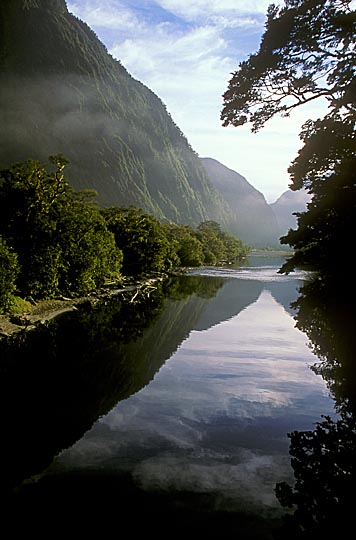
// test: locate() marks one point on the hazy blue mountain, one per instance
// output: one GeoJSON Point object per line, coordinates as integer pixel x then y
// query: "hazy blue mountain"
{"type": "Point", "coordinates": [62, 92]}
{"type": "Point", "coordinates": [285, 207]}
{"type": "Point", "coordinates": [255, 221]}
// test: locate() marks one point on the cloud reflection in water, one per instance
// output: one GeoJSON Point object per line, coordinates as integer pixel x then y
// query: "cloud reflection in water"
{"type": "Point", "coordinates": [216, 416]}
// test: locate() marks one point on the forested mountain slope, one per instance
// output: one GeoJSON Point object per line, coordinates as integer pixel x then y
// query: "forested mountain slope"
{"type": "Point", "coordinates": [62, 92]}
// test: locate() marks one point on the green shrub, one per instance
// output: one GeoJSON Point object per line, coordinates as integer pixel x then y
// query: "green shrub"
{"type": "Point", "coordinates": [8, 272]}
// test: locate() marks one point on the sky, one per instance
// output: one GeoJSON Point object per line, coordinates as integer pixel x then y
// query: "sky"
{"type": "Point", "coordinates": [185, 51]}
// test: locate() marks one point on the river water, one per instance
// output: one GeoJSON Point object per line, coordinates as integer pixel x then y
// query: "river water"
{"type": "Point", "coordinates": [196, 427]}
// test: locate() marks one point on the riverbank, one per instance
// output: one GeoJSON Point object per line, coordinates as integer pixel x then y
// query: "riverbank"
{"type": "Point", "coordinates": [45, 310]}
{"type": "Point", "coordinates": [256, 252]}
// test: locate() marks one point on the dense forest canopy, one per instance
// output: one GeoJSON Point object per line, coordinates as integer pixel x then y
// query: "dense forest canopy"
{"type": "Point", "coordinates": [308, 52]}
{"type": "Point", "coordinates": [55, 240]}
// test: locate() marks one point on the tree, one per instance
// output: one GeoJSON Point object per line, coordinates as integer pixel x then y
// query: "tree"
{"type": "Point", "coordinates": [214, 251]}
{"type": "Point", "coordinates": [142, 240]}
{"type": "Point", "coordinates": [307, 52]}
{"type": "Point", "coordinates": [323, 458]}
{"type": "Point", "coordinates": [8, 274]}
{"type": "Point", "coordinates": [327, 167]}
{"type": "Point", "coordinates": [219, 246]}
{"type": "Point", "coordinates": [324, 469]}
{"type": "Point", "coordinates": [60, 239]}
{"type": "Point", "coordinates": [29, 201]}
{"type": "Point", "coordinates": [90, 256]}
{"type": "Point", "coordinates": [187, 246]}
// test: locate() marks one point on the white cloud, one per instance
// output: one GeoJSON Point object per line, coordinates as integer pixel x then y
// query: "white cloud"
{"type": "Point", "coordinates": [197, 9]}
{"type": "Point", "coordinates": [185, 51]}
{"type": "Point", "coordinates": [249, 481]}
{"type": "Point", "coordinates": [214, 419]}
{"type": "Point", "coordinates": [190, 71]}
{"type": "Point", "coordinates": [106, 14]}
{"type": "Point", "coordinates": [176, 61]}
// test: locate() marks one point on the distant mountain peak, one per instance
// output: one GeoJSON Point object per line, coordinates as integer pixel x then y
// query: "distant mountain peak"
{"type": "Point", "coordinates": [300, 196]}
{"type": "Point", "coordinates": [227, 175]}
{"type": "Point", "coordinates": [287, 205]}
{"type": "Point", "coordinates": [255, 222]}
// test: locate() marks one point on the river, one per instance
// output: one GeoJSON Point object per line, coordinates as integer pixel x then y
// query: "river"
{"type": "Point", "coordinates": [169, 419]}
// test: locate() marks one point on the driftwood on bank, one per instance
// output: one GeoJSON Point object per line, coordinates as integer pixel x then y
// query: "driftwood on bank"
{"type": "Point", "coordinates": [46, 310]}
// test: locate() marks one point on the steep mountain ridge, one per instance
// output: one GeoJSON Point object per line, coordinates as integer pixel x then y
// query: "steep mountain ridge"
{"type": "Point", "coordinates": [285, 207]}
{"type": "Point", "coordinates": [62, 92]}
{"type": "Point", "coordinates": [255, 222]}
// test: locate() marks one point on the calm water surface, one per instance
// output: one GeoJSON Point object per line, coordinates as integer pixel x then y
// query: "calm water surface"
{"type": "Point", "coordinates": [208, 434]}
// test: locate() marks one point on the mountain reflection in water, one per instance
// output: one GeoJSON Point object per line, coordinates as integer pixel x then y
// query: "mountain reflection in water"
{"type": "Point", "coordinates": [57, 380]}
{"type": "Point", "coordinates": [178, 409]}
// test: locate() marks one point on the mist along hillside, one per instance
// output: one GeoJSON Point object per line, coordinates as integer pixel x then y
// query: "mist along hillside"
{"type": "Point", "coordinates": [285, 207]}
{"type": "Point", "coordinates": [256, 223]}
{"type": "Point", "coordinates": [61, 92]}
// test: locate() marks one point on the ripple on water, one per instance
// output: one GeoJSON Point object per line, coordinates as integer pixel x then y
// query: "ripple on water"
{"type": "Point", "coordinates": [256, 273]}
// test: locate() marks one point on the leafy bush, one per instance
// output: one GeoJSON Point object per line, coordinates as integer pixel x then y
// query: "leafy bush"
{"type": "Point", "coordinates": [65, 244]}
{"type": "Point", "coordinates": [8, 272]}
{"type": "Point", "coordinates": [142, 240]}
{"type": "Point", "coordinates": [61, 240]}
{"type": "Point", "coordinates": [187, 246]}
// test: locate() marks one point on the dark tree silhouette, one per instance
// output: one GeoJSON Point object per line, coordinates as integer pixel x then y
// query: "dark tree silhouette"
{"type": "Point", "coordinates": [323, 459]}
{"type": "Point", "coordinates": [308, 52]}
